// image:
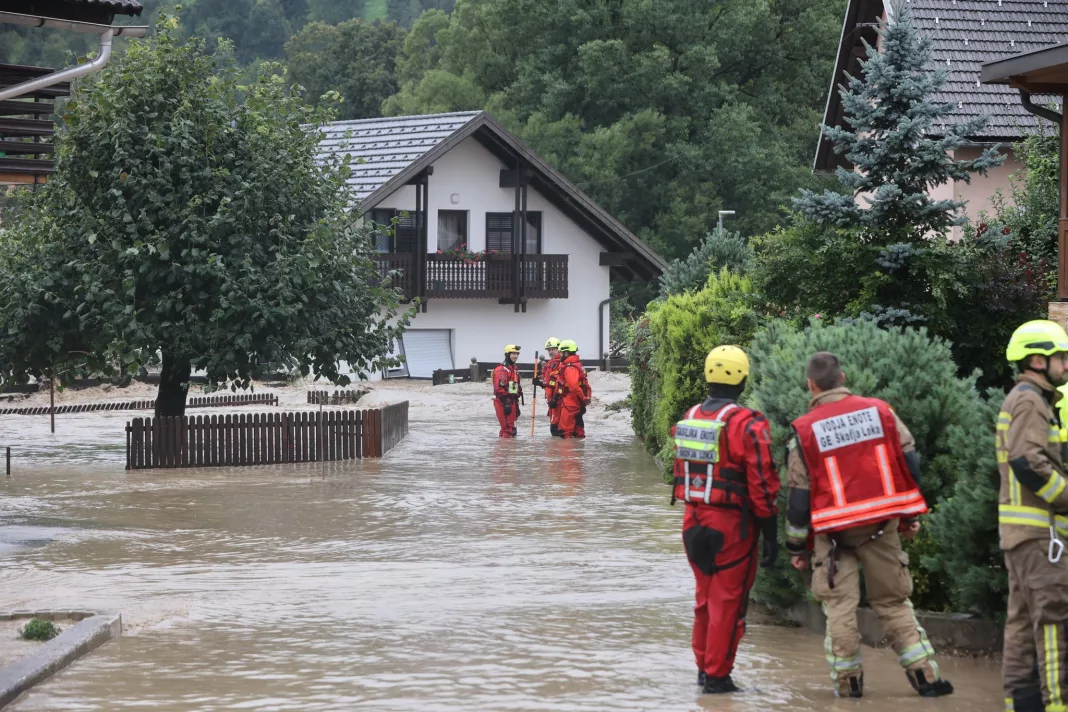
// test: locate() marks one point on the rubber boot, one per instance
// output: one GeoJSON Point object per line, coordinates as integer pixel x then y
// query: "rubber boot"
{"type": "Point", "coordinates": [850, 686]}
{"type": "Point", "coordinates": [1027, 699]}
{"type": "Point", "coordinates": [702, 676]}
{"type": "Point", "coordinates": [719, 685]}
{"type": "Point", "coordinates": [928, 688]}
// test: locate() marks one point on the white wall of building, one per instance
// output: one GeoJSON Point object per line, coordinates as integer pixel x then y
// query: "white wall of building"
{"type": "Point", "coordinates": [468, 178]}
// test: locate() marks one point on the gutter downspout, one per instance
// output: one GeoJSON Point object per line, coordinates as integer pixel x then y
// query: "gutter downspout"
{"type": "Point", "coordinates": [1048, 114]}
{"type": "Point", "coordinates": [32, 85]}
{"type": "Point", "coordinates": [600, 321]}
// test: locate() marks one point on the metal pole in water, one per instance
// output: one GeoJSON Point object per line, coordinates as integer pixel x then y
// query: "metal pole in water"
{"type": "Point", "coordinates": [52, 401]}
{"type": "Point", "coordinates": [9, 461]}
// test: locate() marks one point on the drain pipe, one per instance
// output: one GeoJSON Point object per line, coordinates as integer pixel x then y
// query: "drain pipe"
{"type": "Point", "coordinates": [1048, 114]}
{"type": "Point", "coordinates": [600, 321]}
{"type": "Point", "coordinates": [106, 33]}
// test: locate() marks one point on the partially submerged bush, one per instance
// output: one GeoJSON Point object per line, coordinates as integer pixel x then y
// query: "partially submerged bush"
{"type": "Point", "coordinates": [38, 629]}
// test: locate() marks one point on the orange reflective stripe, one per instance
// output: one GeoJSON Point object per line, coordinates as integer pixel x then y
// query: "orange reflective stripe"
{"type": "Point", "coordinates": [884, 468]}
{"type": "Point", "coordinates": [869, 510]}
{"type": "Point", "coordinates": [870, 517]}
{"type": "Point", "coordinates": [836, 481]}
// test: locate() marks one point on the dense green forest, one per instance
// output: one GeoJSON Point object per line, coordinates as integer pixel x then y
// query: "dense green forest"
{"type": "Point", "coordinates": [664, 111]}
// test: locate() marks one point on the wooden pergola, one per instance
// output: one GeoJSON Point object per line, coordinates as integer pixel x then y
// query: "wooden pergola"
{"type": "Point", "coordinates": [1043, 72]}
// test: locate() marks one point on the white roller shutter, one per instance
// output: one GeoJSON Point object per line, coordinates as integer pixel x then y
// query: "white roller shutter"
{"type": "Point", "coordinates": [427, 350]}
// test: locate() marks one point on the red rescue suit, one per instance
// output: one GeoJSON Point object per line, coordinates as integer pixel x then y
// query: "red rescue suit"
{"type": "Point", "coordinates": [726, 488]}
{"type": "Point", "coordinates": [856, 466]}
{"type": "Point", "coordinates": [506, 392]}
{"type": "Point", "coordinates": [574, 395]}
{"type": "Point", "coordinates": [550, 378]}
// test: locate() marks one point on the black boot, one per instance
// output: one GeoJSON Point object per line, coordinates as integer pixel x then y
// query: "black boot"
{"type": "Point", "coordinates": [719, 685]}
{"type": "Point", "coordinates": [701, 678]}
{"type": "Point", "coordinates": [934, 688]}
{"type": "Point", "coordinates": [1028, 699]}
{"type": "Point", "coordinates": [852, 686]}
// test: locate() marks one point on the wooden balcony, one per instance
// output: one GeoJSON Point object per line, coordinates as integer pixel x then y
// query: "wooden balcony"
{"type": "Point", "coordinates": [489, 277]}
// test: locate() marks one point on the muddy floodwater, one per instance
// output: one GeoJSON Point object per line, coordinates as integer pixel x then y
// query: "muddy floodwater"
{"type": "Point", "coordinates": [458, 573]}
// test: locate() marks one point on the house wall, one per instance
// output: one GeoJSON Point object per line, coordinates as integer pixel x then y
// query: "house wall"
{"type": "Point", "coordinates": [980, 193]}
{"type": "Point", "coordinates": [470, 176]}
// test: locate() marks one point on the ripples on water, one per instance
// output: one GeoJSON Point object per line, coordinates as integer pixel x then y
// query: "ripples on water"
{"type": "Point", "coordinates": [459, 573]}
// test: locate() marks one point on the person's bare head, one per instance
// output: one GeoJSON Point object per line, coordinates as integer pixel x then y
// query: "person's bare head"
{"type": "Point", "coordinates": [824, 373]}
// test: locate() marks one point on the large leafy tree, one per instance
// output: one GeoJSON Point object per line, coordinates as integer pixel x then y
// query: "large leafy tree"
{"type": "Point", "coordinates": [665, 111]}
{"type": "Point", "coordinates": [357, 59]}
{"type": "Point", "coordinates": [189, 222]}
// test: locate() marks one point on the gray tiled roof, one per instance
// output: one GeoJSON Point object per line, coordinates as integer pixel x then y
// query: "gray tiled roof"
{"type": "Point", "coordinates": [388, 146]}
{"type": "Point", "coordinates": [966, 33]}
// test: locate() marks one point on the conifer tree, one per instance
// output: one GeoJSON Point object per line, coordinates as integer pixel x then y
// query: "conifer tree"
{"type": "Point", "coordinates": [901, 141]}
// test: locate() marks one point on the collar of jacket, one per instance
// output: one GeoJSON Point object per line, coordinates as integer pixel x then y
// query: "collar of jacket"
{"type": "Point", "coordinates": [1039, 381]}
{"type": "Point", "coordinates": [711, 405]}
{"type": "Point", "coordinates": [832, 396]}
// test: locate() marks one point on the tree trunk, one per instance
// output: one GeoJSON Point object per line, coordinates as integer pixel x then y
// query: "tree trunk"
{"type": "Point", "coordinates": [173, 385]}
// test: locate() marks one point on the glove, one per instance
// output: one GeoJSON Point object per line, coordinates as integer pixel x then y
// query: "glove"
{"type": "Point", "coordinates": [769, 545]}
{"type": "Point", "coordinates": [507, 408]}
{"type": "Point", "coordinates": [554, 402]}
{"type": "Point", "coordinates": [537, 382]}
{"type": "Point", "coordinates": [583, 411]}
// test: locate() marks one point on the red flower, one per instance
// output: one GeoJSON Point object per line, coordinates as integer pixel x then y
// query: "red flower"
{"type": "Point", "coordinates": [980, 228]}
{"type": "Point", "coordinates": [1005, 230]}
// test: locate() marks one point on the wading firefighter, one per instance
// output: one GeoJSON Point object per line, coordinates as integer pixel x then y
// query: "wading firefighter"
{"type": "Point", "coordinates": [725, 474]}
{"type": "Point", "coordinates": [572, 392]}
{"type": "Point", "coordinates": [853, 475]}
{"type": "Point", "coordinates": [507, 390]}
{"type": "Point", "coordinates": [548, 381]}
{"type": "Point", "coordinates": [1032, 521]}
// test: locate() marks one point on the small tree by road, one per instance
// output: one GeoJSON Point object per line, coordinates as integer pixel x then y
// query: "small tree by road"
{"type": "Point", "coordinates": [189, 223]}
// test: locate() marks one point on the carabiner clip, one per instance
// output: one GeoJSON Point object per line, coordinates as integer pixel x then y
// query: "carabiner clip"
{"type": "Point", "coordinates": [1055, 544]}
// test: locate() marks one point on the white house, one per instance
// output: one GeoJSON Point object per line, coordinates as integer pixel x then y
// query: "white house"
{"type": "Point", "coordinates": [548, 278]}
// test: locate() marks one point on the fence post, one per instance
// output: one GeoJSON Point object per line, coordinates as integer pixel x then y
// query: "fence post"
{"type": "Point", "coordinates": [474, 369]}
{"type": "Point", "coordinates": [607, 365]}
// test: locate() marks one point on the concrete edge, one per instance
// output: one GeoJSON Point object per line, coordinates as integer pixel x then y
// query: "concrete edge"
{"type": "Point", "coordinates": [87, 635]}
{"type": "Point", "coordinates": [948, 632]}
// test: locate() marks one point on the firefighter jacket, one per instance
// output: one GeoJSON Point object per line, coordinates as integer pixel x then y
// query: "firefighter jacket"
{"type": "Point", "coordinates": [573, 385]}
{"type": "Point", "coordinates": [798, 481]}
{"type": "Point", "coordinates": [857, 471]}
{"type": "Point", "coordinates": [550, 377]}
{"type": "Point", "coordinates": [506, 385]}
{"type": "Point", "coordinates": [1033, 496]}
{"type": "Point", "coordinates": [723, 459]}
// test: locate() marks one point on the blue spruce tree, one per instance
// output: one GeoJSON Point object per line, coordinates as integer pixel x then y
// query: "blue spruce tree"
{"type": "Point", "coordinates": [900, 141]}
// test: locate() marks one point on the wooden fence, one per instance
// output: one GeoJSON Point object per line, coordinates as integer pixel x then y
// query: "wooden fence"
{"type": "Point", "coordinates": [204, 402]}
{"type": "Point", "coordinates": [264, 439]}
{"type": "Point", "coordinates": [335, 398]}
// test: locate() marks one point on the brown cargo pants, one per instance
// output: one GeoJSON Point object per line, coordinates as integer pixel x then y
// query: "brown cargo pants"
{"type": "Point", "coordinates": [889, 585]}
{"type": "Point", "coordinates": [1035, 651]}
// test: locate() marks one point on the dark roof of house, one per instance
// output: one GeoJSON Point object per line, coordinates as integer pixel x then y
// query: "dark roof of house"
{"type": "Point", "coordinates": [396, 150]}
{"type": "Point", "coordinates": [95, 11]}
{"type": "Point", "coordinates": [964, 35]}
{"type": "Point", "coordinates": [122, 7]}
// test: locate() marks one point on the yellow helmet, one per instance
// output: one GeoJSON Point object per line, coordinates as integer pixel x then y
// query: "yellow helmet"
{"type": "Point", "coordinates": [568, 346]}
{"type": "Point", "coordinates": [552, 343]}
{"type": "Point", "coordinates": [1040, 337]}
{"type": "Point", "coordinates": [511, 349]}
{"type": "Point", "coordinates": [727, 365]}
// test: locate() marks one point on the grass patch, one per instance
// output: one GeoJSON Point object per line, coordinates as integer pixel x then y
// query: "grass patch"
{"type": "Point", "coordinates": [618, 406]}
{"type": "Point", "coordinates": [375, 10]}
{"type": "Point", "coordinates": [38, 629]}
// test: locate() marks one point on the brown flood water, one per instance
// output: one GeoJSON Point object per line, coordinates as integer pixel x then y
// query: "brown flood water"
{"type": "Point", "coordinates": [459, 573]}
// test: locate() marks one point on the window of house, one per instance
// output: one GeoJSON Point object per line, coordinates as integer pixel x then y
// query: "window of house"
{"type": "Point", "coordinates": [383, 228]}
{"type": "Point", "coordinates": [501, 238]}
{"type": "Point", "coordinates": [452, 229]}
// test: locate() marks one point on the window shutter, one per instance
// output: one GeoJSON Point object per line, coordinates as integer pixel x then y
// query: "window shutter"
{"type": "Point", "coordinates": [499, 232]}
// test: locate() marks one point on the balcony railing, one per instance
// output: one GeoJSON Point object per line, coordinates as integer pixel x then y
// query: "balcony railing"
{"type": "Point", "coordinates": [488, 277]}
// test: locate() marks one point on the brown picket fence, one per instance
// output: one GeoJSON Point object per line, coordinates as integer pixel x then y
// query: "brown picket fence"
{"type": "Point", "coordinates": [335, 398]}
{"type": "Point", "coordinates": [264, 439]}
{"type": "Point", "coordinates": [199, 402]}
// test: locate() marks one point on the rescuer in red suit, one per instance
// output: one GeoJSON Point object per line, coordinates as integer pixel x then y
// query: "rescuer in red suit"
{"type": "Point", "coordinates": [573, 392]}
{"type": "Point", "coordinates": [725, 474]}
{"type": "Point", "coordinates": [506, 391]}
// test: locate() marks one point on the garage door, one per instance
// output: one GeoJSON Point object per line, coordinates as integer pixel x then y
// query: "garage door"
{"type": "Point", "coordinates": [427, 350]}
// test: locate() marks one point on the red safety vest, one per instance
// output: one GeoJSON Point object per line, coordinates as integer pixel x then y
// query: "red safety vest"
{"type": "Point", "coordinates": [855, 465]}
{"type": "Point", "coordinates": [506, 380]}
{"type": "Point", "coordinates": [573, 362]}
{"type": "Point", "coordinates": [706, 472]}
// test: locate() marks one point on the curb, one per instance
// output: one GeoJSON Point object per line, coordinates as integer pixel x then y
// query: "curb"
{"type": "Point", "coordinates": [946, 631]}
{"type": "Point", "coordinates": [93, 630]}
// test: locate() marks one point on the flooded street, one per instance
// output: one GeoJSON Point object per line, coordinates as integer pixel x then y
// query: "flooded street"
{"type": "Point", "coordinates": [460, 572]}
